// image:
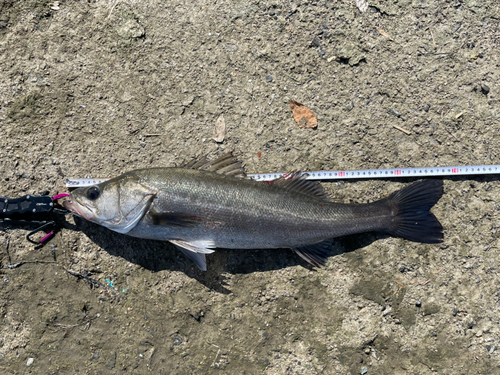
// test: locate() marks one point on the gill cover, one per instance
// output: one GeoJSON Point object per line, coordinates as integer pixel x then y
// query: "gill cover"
{"type": "Point", "coordinates": [118, 204]}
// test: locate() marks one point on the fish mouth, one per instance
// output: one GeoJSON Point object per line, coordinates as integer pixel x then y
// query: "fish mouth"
{"type": "Point", "coordinates": [78, 209]}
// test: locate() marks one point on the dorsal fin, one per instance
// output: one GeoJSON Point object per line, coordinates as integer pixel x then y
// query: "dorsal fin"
{"type": "Point", "coordinates": [297, 182]}
{"type": "Point", "coordinates": [225, 164]}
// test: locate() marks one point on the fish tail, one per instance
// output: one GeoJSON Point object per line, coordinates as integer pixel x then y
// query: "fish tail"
{"type": "Point", "coordinates": [411, 218]}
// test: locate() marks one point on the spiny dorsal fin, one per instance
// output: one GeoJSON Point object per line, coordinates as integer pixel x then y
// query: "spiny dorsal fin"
{"type": "Point", "coordinates": [297, 182]}
{"type": "Point", "coordinates": [225, 164]}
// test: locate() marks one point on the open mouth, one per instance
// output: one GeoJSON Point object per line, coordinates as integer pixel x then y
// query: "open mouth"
{"type": "Point", "coordinates": [78, 209]}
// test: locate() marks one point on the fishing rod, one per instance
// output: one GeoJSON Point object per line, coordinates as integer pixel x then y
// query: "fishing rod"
{"type": "Point", "coordinates": [467, 170]}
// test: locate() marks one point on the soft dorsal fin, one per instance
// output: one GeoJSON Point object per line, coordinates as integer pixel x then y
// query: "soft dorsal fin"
{"type": "Point", "coordinates": [225, 164]}
{"type": "Point", "coordinates": [297, 182]}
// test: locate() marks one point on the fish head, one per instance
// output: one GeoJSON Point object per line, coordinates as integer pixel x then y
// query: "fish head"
{"type": "Point", "coordinates": [118, 204]}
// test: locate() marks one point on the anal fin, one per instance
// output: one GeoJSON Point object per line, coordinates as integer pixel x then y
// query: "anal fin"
{"type": "Point", "coordinates": [315, 254]}
{"type": "Point", "coordinates": [195, 250]}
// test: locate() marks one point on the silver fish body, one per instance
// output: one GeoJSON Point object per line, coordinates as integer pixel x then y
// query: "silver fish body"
{"type": "Point", "coordinates": [200, 210]}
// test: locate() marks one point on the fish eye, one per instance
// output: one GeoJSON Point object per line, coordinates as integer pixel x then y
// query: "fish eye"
{"type": "Point", "coordinates": [93, 193]}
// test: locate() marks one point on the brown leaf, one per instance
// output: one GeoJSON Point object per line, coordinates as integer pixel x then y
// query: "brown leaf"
{"type": "Point", "coordinates": [303, 116]}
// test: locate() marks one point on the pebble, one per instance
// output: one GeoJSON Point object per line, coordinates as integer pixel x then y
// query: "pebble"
{"type": "Point", "coordinates": [364, 370]}
{"type": "Point", "coordinates": [418, 303]}
{"type": "Point", "coordinates": [269, 78]}
{"type": "Point", "coordinates": [29, 362]}
{"type": "Point", "coordinates": [393, 112]}
{"type": "Point", "coordinates": [485, 89]}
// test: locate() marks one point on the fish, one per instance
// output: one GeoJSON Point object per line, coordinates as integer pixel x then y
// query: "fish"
{"type": "Point", "coordinates": [207, 205]}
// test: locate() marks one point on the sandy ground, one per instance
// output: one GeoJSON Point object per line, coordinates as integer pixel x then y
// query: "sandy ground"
{"type": "Point", "coordinates": [96, 88]}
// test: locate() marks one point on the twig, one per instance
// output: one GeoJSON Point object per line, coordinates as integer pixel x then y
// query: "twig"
{"type": "Point", "coordinates": [402, 129]}
{"type": "Point", "coordinates": [426, 282]}
{"type": "Point", "coordinates": [12, 266]}
{"type": "Point", "coordinates": [433, 41]}
{"type": "Point", "coordinates": [112, 7]}
{"type": "Point", "coordinates": [399, 283]}
{"type": "Point", "coordinates": [7, 250]}
{"type": "Point", "coordinates": [382, 32]}
{"type": "Point", "coordinates": [439, 270]}
{"type": "Point", "coordinates": [86, 276]}
{"type": "Point", "coordinates": [218, 351]}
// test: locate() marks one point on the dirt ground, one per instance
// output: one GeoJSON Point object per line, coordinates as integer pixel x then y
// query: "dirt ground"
{"type": "Point", "coordinates": [99, 87]}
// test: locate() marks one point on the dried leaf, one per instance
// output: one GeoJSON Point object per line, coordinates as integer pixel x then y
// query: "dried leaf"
{"type": "Point", "coordinates": [303, 116]}
{"type": "Point", "coordinates": [219, 130]}
{"type": "Point", "coordinates": [362, 5]}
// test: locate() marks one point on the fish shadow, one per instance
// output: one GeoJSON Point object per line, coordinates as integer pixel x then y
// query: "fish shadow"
{"type": "Point", "coordinates": [157, 256]}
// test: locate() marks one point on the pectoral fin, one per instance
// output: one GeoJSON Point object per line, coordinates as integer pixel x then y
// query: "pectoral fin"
{"type": "Point", "coordinates": [172, 219]}
{"type": "Point", "coordinates": [195, 250]}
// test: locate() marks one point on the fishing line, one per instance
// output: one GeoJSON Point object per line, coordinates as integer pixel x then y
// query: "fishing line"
{"type": "Point", "coordinates": [468, 170]}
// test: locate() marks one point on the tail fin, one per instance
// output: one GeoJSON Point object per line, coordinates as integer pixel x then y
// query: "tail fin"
{"type": "Point", "coordinates": [411, 216]}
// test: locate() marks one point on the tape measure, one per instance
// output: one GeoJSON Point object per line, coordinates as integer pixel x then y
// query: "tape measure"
{"type": "Point", "coordinates": [467, 170]}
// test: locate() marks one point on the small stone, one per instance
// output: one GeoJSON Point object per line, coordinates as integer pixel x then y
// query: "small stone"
{"type": "Point", "coordinates": [269, 78]}
{"type": "Point", "coordinates": [393, 112]}
{"type": "Point", "coordinates": [427, 107]}
{"type": "Point", "coordinates": [111, 362]}
{"type": "Point", "coordinates": [364, 370]}
{"type": "Point", "coordinates": [485, 89]}
{"type": "Point", "coordinates": [454, 311]}
{"type": "Point", "coordinates": [316, 42]}
{"type": "Point", "coordinates": [418, 303]}
{"type": "Point", "coordinates": [29, 362]}
{"type": "Point", "coordinates": [196, 316]}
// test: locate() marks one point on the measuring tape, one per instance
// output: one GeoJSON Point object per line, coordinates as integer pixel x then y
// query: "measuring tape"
{"type": "Point", "coordinates": [345, 175]}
